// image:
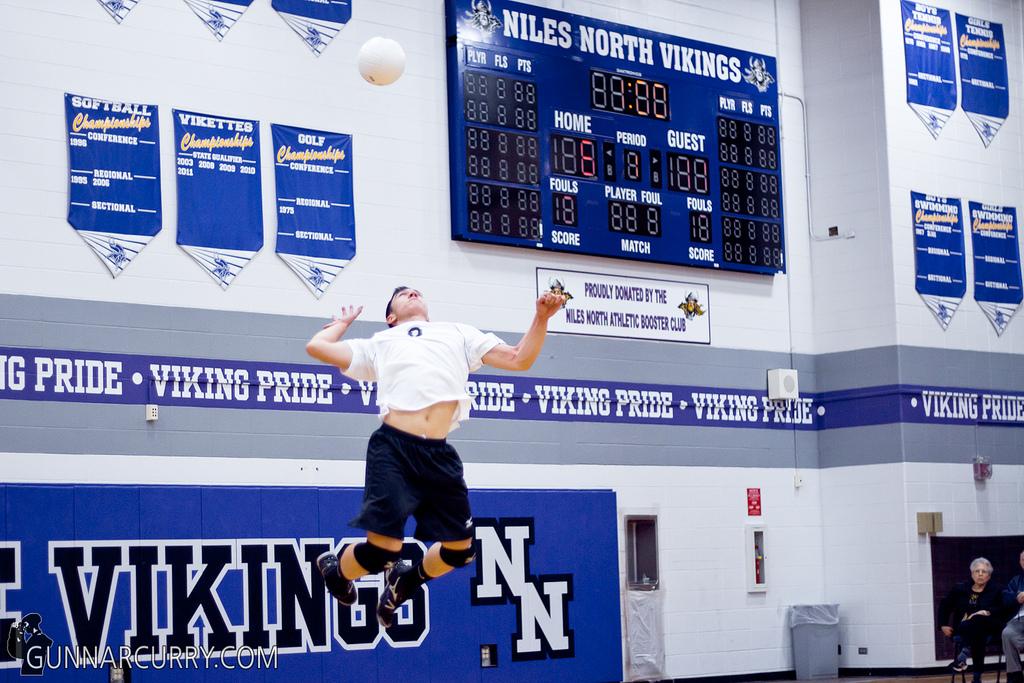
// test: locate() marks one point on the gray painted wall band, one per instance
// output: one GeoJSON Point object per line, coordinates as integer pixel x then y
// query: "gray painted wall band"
{"type": "Point", "coordinates": [44, 427]}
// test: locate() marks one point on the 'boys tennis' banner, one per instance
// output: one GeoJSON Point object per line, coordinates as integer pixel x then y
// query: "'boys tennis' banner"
{"type": "Point", "coordinates": [316, 21]}
{"type": "Point", "coordinates": [219, 15]}
{"type": "Point", "coordinates": [220, 212]}
{"type": "Point", "coordinates": [931, 72]}
{"type": "Point", "coordinates": [118, 9]}
{"type": "Point", "coordinates": [940, 266]}
{"type": "Point", "coordinates": [114, 176]}
{"type": "Point", "coordinates": [315, 220]}
{"type": "Point", "coordinates": [997, 279]}
{"type": "Point", "coordinates": [983, 78]}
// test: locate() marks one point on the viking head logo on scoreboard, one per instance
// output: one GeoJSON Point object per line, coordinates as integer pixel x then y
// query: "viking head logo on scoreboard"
{"type": "Point", "coordinates": [757, 74]}
{"type": "Point", "coordinates": [482, 17]}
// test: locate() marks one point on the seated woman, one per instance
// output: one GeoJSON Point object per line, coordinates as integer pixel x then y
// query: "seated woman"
{"type": "Point", "coordinates": [971, 615]}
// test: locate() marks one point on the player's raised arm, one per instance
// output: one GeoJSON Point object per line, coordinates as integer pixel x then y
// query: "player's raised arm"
{"type": "Point", "coordinates": [522, 355]}
{"type": "Point", "coordinates": [326, 345]}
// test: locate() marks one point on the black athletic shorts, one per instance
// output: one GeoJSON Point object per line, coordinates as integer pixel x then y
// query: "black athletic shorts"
{"type": "Point", "coordinates": [410, 475]}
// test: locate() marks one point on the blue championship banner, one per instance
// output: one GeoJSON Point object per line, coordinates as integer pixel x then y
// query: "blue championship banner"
{"type": "Point", "coordinates": [114, 176]}
{"type": "Point", "coordinates": [983, 78]}
{"type": "Point", "coordinates": [931, 71]}
{"type": "Point", "coordinates": [997, 278]}
{"type": "Point", "coordinates": [220, 209]}
{"type": "Point", "coordinates": [219, 584]}
{"type": "Point", "coordinates": [316, 21]}
{"type": "Point", "coordinates": [219, 15]}
{"type": "Point", "coordinates": [939, 262]}
{"type": "Point", "coordinates": [118, 9]}
{"type": "Point", "coordinates": [316, 225]}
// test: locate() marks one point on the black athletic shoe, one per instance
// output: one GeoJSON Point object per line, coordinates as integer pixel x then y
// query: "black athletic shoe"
{"type": "Point", "coordinates": [391, 597]}
{"type": "Point", "coordinates": [343, 590]}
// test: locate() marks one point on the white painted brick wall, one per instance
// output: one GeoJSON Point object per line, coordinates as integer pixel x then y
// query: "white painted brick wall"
{"type": "Point", "coordinates": [162, 54]}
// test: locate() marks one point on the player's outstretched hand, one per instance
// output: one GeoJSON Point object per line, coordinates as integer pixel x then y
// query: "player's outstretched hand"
{"type": "Point", "coordinates": [548, 304]}
{"type": "Point", "coordinates": [348, 314]}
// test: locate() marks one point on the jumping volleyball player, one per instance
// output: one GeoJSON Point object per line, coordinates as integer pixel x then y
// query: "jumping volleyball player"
{"type": "Point", "coordinates": [421, 368]}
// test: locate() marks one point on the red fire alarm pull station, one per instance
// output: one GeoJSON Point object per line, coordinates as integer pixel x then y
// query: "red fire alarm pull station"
{"type": "Point", "coordinates": [753, 502]}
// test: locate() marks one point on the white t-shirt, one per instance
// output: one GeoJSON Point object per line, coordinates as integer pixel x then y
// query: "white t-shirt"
{"type": "Point", "coordinates": [419, 363]}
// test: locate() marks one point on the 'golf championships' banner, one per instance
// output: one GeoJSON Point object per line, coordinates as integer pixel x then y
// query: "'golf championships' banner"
{"type": "Point", "coordinates": [940, 265]}
{"type": "Point", "coordinates": [997, 280]}
{"type": "Point", "coordinates": [983, 78]}
{"type": "Point", "coordinates": [114, 176]}
{"type": "Point", "coordinates": [931, 72]}
{"type": "Point", "coordinates": [220, 211]}
{"type": "Point", "coordinates": [315, 219]}
{"type": "Point", "coordinates": [317, 22]}
{"type": "Point", "coordinates": [219, 15]}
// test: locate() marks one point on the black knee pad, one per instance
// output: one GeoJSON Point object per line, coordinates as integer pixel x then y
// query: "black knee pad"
{"type": "Point", "coordinates": [457, 558]}
{"type": "Point", "coordinates": [373, 558]}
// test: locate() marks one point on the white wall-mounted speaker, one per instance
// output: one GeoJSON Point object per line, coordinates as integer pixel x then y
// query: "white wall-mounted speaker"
{"type": "Point", "coordinates": [783, 384]}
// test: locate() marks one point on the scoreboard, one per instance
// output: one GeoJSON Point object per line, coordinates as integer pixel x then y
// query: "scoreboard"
{"type": "Point", "coordinates": [571, 134]}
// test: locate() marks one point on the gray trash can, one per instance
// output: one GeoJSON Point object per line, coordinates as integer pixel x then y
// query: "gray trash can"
{"type": "Point", "coordinates": [815, 641]}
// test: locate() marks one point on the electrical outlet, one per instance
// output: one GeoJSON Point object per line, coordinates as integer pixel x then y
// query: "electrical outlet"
{"type": "Point", "coordinates": [862, 650]}
{"type": "Point", "coordinates": [152, 412]}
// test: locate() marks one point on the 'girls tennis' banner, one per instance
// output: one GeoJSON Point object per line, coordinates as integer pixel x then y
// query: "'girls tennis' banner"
{"type": "Point", "coordinates": [315, 220]}
{"type": "Point", "coordinates": [316, 21]}
{"type": "Point", "coordinates": [114, 176]}
{"type": "Point", "coordinates": [219, 15]}
{"type": "Point", "coordinates": [983, 78]}
{"type": "Point", "coordinates": [118, 9]}
{"type": "Point", "coordinates": [997, 279]}
{"type": "Point", "coordinates": [939, 263]}
{"type": "Point", "coordinates": [931, 72]}
{"type": "Point", "coordinates": [220, 211]}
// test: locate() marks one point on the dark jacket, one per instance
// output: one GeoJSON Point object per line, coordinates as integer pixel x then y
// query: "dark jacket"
{"type": "Point", "coordinates": [962, 601]}
{"type": "Point", "coordinates": [1015, 586]}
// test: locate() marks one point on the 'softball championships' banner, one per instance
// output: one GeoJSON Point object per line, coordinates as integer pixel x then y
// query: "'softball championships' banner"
{"type": "Point", "coordinates": [315, 219]}
{"type": "Point", "coordinates": [220, 210]}
{"type": "Point", "coordinates": [114, 176]}
{"type": "Point", "coordinates": [317, 22]}
{"type": "Point", "coordinates": [940, 265]}
{"type": "Point", "coordinates": [118, 9]}
{"type": "Point", "coordinates": [219, 15]}
{"type": "Point", "coordinates": [931, 71]}
{"type": "Point", "coordinates": [635, 308]}
{"type": "Point", "coordinates": [997, 276]}
{"type": "Point", "coordinates": [983, 78]}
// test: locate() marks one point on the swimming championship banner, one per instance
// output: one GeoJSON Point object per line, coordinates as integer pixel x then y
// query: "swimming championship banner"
{"type": "Point", "coordinates": [630, 307]}
{"type": "Point", "coordinates": [316, 224]}
{"type": "Point", "coordinates": [220, 210]}
{"type": "Point", "coordinates": [931, 71]}
{"type": "Point", "coordinates": [114, 176]}
{"type": "Point", "coordinates": [219, 15]}
{"type": "Point", "coordinates": [118, 9]}
{"type": "Point", "coordinates": [219, 583]}
{"type": "Point", "coordinates": [983, 78]}
{"type": "Point", "coordinates": [997, 277]}
{"type": "Point", "coordinates": [940, 265]}
{"type": "Point", "coordinates": [317, 22]}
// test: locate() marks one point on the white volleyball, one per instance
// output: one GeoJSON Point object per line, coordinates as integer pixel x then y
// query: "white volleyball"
{"type": "Point", "coordinates": [381, 61]}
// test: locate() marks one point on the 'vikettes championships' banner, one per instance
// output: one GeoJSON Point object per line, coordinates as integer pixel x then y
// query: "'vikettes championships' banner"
{"type": "Point", "coordinates": [940, 265]}
{"type": "Point", "coordinates": [219, 15]}
{"type": "Point", "coordinates": [931, 71]}
{"type": "Point", "coordinates": [118, 9]}
{"type": "Point", "coordinates": [315, 219]}
{"type": "Point", "coordinates": [983, 78]}
{"type": "Point", "coordinates": [316, 21]}
{"type": "Point", "coordinates": [114, 176]}
{"type": "Point", "coordinates": [220, 211]}
{"type": "Point", "coordinates": [997, 278]}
